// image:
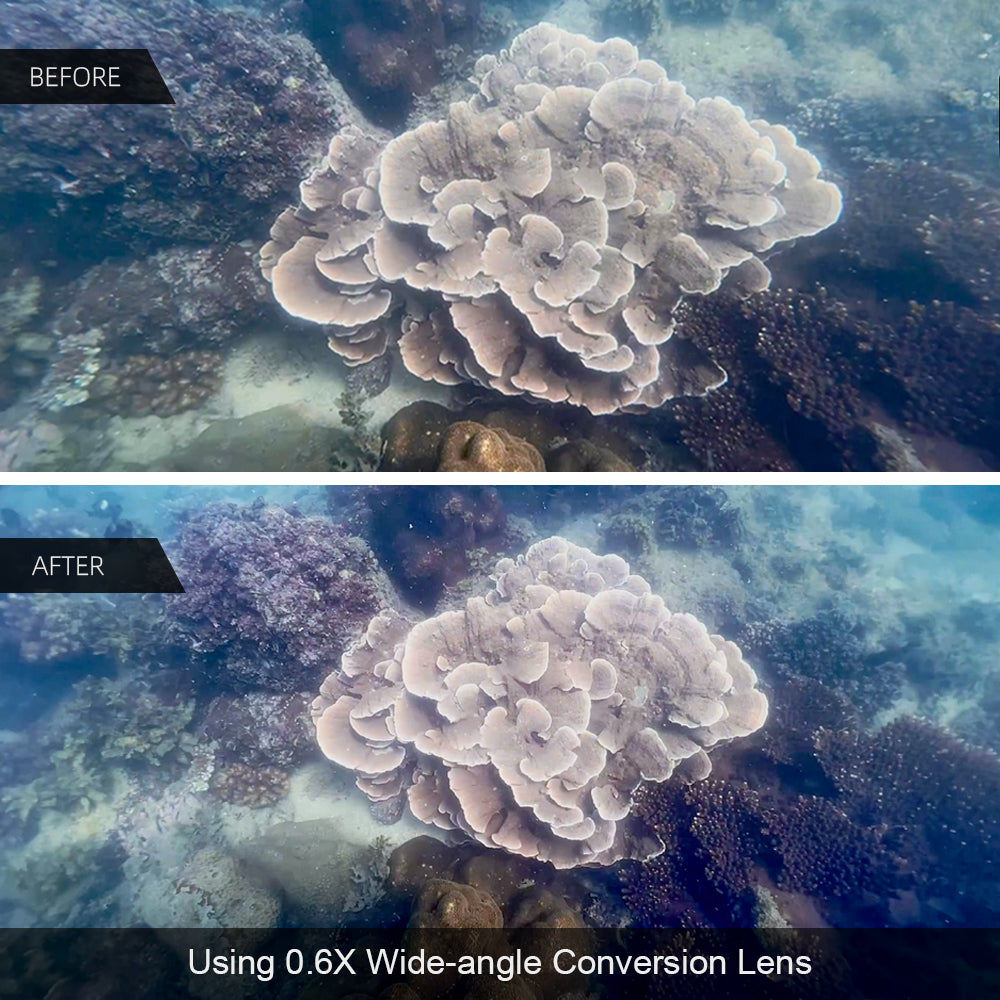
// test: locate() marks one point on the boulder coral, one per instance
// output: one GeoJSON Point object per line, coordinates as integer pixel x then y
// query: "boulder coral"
{"type": "Point", "coordinates": [538, 239]}
{"type": "Point", "coordinates": [527, 719]}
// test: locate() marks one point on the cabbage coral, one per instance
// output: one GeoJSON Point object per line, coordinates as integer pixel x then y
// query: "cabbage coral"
{"type": "Point", "coordinates": [527, 719]}
{"type": "Point", "coordinates": [538, 239]}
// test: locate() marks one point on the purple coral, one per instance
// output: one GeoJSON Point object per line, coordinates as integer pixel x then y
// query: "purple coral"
{"type": "Point", "coordinates": [271, 598]}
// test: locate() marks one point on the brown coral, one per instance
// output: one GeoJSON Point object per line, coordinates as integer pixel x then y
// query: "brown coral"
{"type": "Point", "coordinates": [537, 241]}
{"type": "Point", "coordinates": [471, 447]}
{"type": "Point", "coordinates": [527, 719]}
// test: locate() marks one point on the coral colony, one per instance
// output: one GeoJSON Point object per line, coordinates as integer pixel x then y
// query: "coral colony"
{"type": "Point", "coordinates": [528, 719]}
{"type": "Point", "coordinates": [537, 241]}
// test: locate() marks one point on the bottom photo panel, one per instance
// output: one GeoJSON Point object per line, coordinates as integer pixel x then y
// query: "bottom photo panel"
{"type": "Point", "coordinates": [522, 742]}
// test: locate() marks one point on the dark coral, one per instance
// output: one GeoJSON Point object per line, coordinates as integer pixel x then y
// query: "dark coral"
{"type": "Point", "coordinates": [253, 106]}
{"type": "Point", "coordinates": [695, 517]}
{"type": "Point", "coordinates": [938, 792]}
{"type": "Point", "coordinates": [799, 706]}
{"type": "Point", "coordinates": [684, 517]}
{"type": "Point", "coordinates": [272, 598]}
{"type": "Point", "coordinates": [260, 729]}
{"type": "Point", "coordinates": [892, 827]}
{"type": "Point", "coordinates": [827, 647]}
{"type": "Point", "coordinates": [388, 51]}
{"type": "Point", "coordinates": [827, 855]}
{"type": "Point", "coordinates": [890, 364]}
{"type": "Point", "coordinates": [424, 536]}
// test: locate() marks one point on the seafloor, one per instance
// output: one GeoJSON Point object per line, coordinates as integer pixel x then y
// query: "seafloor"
{"type": "Point", "coordinates": [136, 331]}
{"type": "Point", "coordinates": [159, 766]}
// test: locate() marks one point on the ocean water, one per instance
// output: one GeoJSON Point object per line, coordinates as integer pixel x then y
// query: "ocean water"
{"type": "Point", "coordinates": [160, 767]}
{"type": "Point", "coordinates": [138, 332]}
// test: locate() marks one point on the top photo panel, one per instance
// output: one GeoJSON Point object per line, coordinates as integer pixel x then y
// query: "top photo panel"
{"type": "Point", "coordinates": [475, 235]}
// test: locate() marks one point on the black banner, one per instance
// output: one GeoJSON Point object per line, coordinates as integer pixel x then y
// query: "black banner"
{"type": "Point", "coordinates": [81, 76]}
{"type": "Point", "coordinates": [532, 963]}
{"type": "Point", "coordinates": [86, 566]}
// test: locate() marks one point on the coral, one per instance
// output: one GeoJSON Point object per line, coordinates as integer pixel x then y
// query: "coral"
{"type": "Point", "coordinates": [632, 19]}
{"type": "Point", "coordinates": [921, 779]}
{"type": "Point", "coordinates": [260, 729]}
{"type": "Point", "coordinates": [256, 787]}
{"type": "Point", "coordinates": [411, 438]}
{"type": "Point", "coordinates": [566, 440]}
{"type": "Point", "coordinates": [452, 905]}
{"type": "Point", "coordinates": [527, 719]}
{"type": "Point", "coordinates": [270, 596]}
{"type": "Point", "coordinates": [141, 338]}
{"type": "Point", "coordinates": [424, 536]}
{"type": "Point", "coordinates": [629, 532]}
{"type": "Point", "coordinates": [801, 706]}
{"type": "Point", "coordinates": [252, 107]}
{"type": "Point", "coordinates": [585, 456]}
{"type": "Point", "coordinates": [695, 517]}
{"type": "Point", "coordinates": [825, 854]}
{"type": "Point", "coordinates": [140, 722]}
{"type": "Point", "coordinates": [828, 647]}
{"type": "Point", "coordinates": [470, 447]}
{"type": "Point", "coordinates": [538, 240]}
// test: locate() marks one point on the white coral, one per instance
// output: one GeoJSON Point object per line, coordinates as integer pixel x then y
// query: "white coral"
{"type": "Point", "coordinates": [538, 240]}
{"type": "Point", "coordinates": [527, 719]}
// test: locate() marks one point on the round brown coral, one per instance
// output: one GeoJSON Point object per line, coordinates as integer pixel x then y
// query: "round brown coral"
{"type": "Point", "coordinates": [471, 447]}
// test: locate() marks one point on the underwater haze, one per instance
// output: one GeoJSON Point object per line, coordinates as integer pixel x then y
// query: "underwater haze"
{"type": "Point", "coordinates": [581, 235]}
{"type": "Point", "coordinates": [691, 707]}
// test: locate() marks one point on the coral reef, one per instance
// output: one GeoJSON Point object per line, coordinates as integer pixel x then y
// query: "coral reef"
{"type": "Point", "coordinates": [272, 596]}
{"type": "Point", "coordinates": [938, 792]}
{"type": "Point", "coordinates": [252, 108]}
{"type": "Point", "coordinates": [538, 240]}
{"type": "Point", "coordinates": [137, 723]}
{"type": "Point", "coordinates": [527, 719]}
{"type": "Point", "coordinates": [682, 517]}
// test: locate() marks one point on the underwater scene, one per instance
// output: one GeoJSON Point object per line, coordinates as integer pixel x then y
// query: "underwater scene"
{"type": "Point", "coordinates": [533, 235]}
{"type": "Point", "coordinates": [554, 707]}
